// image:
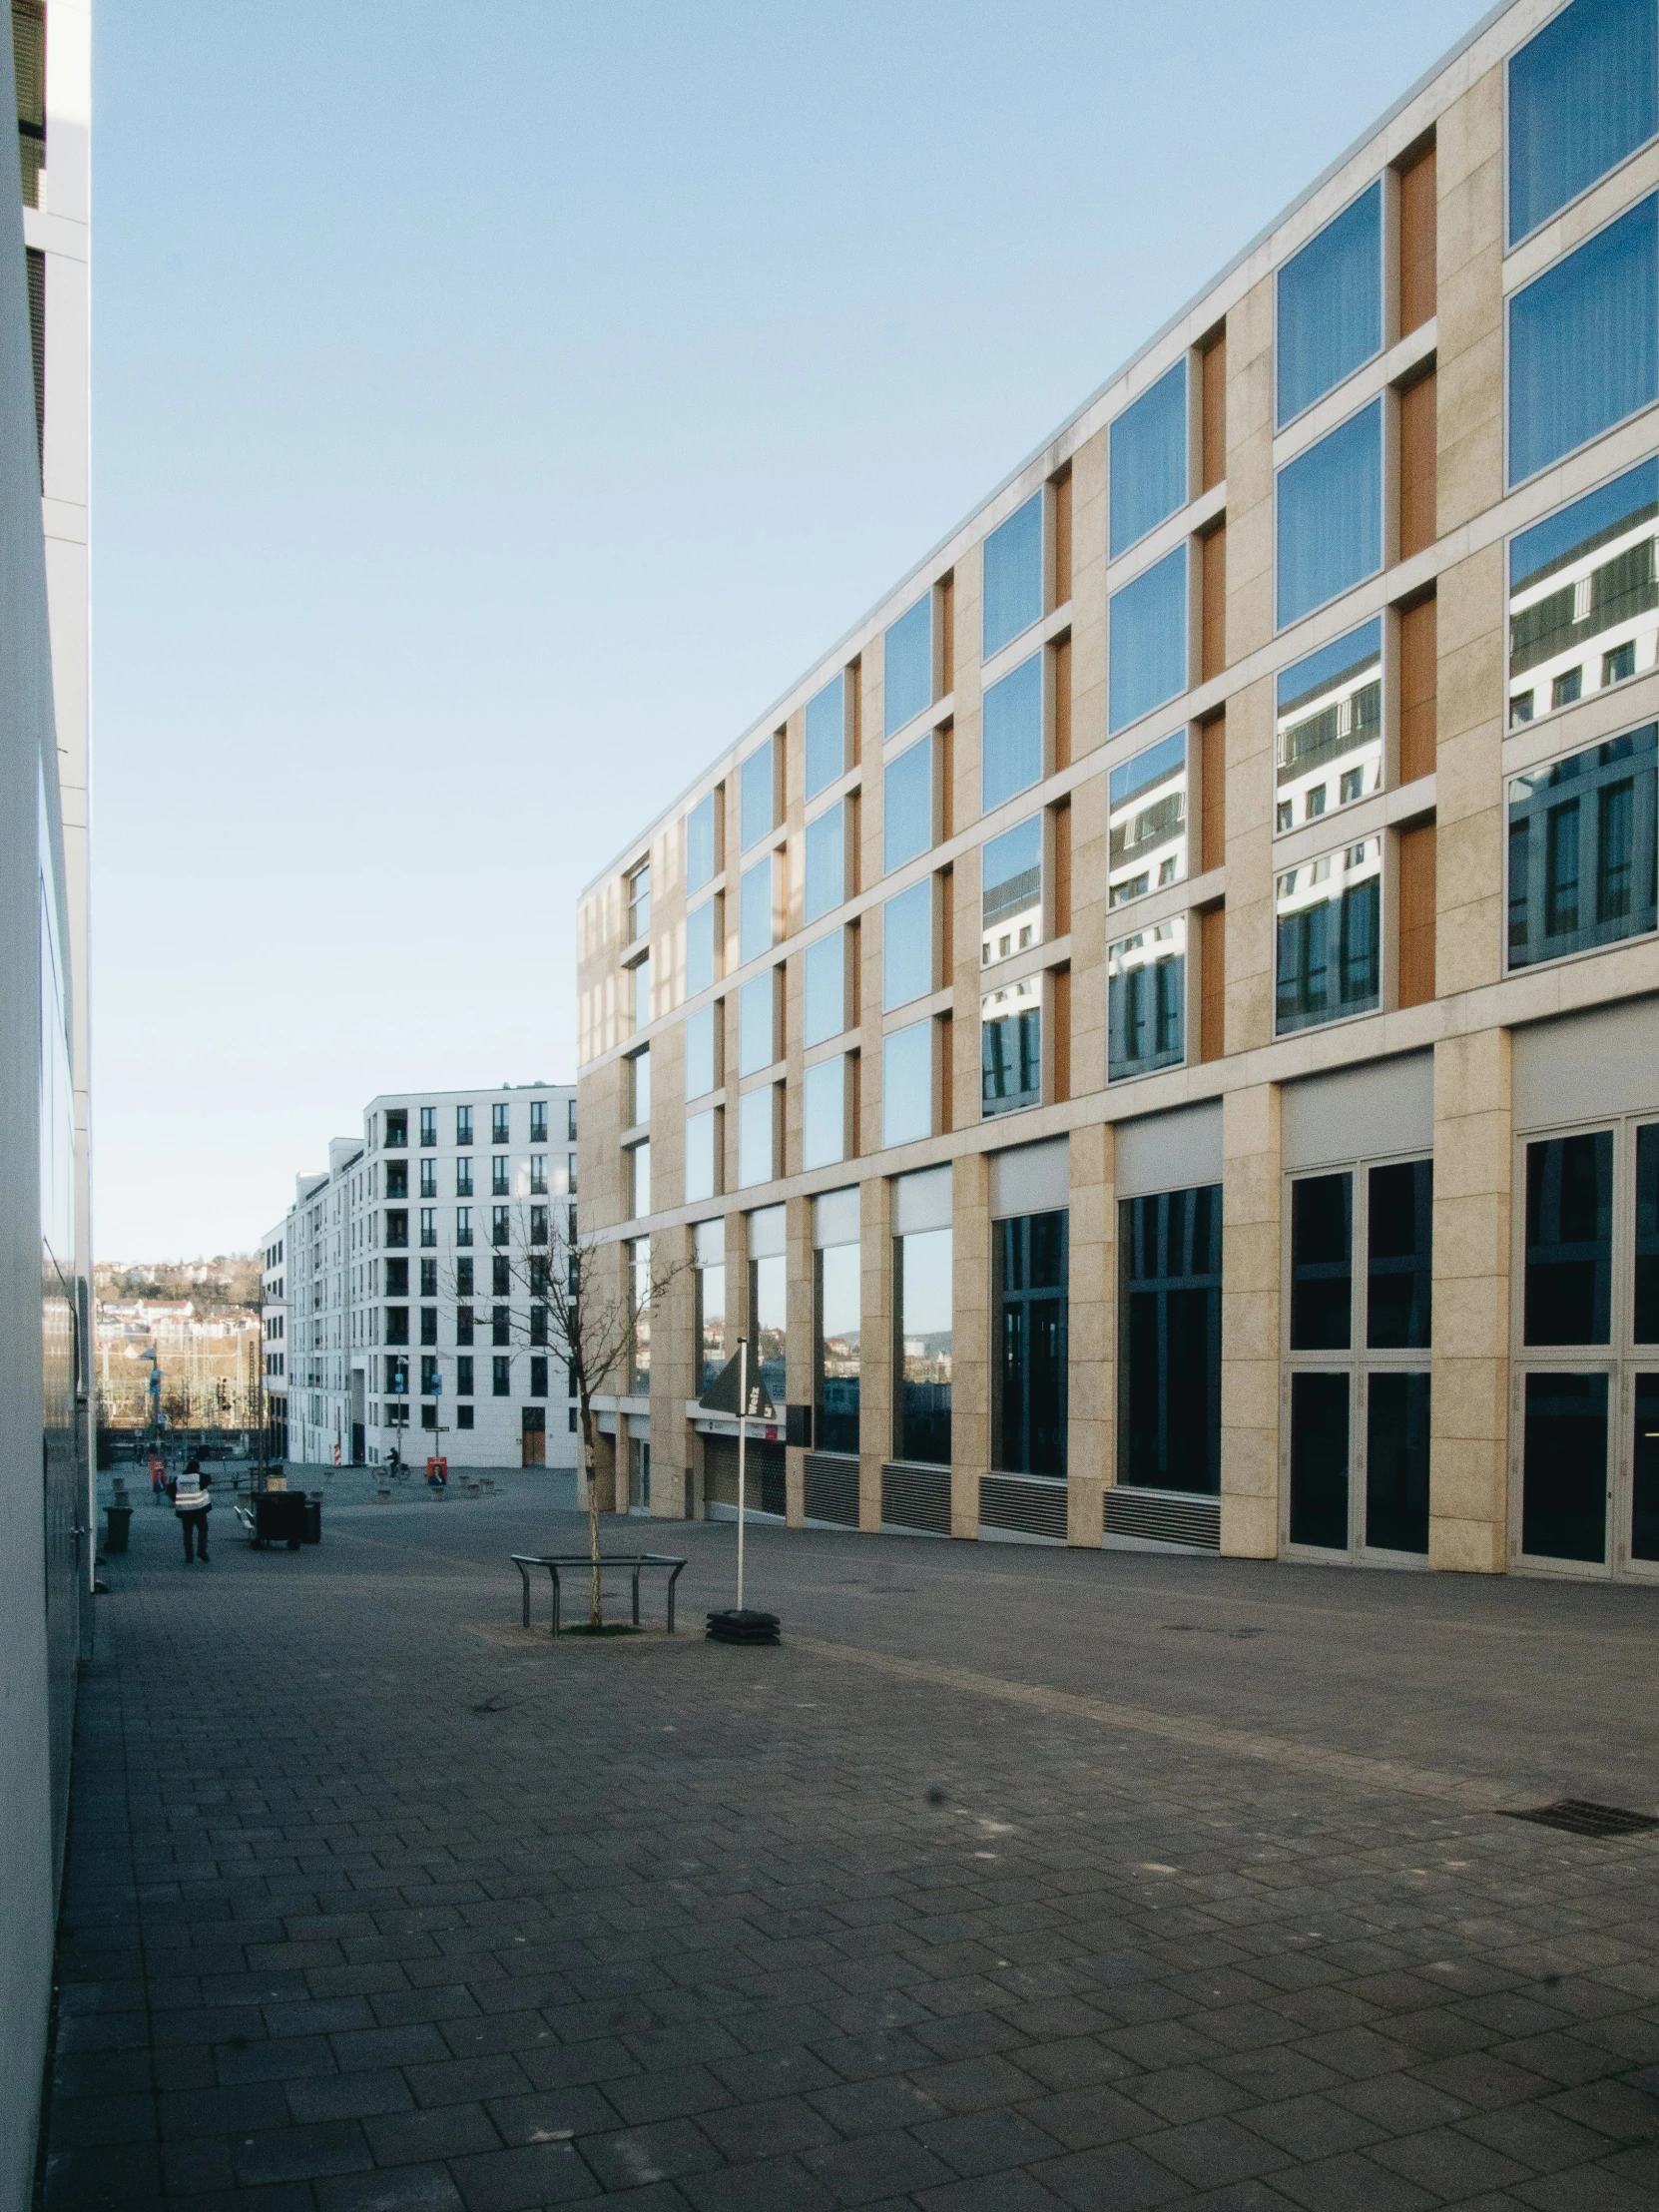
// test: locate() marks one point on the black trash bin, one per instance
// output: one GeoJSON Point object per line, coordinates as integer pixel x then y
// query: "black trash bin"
{"type": "Point", "coordinates": [118, 1519]}
{"type": "Point", "coordinates": [280, 1518]}
{"type": "Point", "coordinates": [313, 1520]}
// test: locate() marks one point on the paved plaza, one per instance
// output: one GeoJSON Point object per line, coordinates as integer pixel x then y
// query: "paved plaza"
{"type": "Point", "coordinates": [1015, 1877]}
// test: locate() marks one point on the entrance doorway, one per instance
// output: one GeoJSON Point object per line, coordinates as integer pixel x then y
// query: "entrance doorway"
{"type": "Point", "coordinates": [533, 1437]}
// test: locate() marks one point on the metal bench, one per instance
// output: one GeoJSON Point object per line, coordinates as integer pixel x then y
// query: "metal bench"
{"type": "Point", "coordinates": [635, 1562]}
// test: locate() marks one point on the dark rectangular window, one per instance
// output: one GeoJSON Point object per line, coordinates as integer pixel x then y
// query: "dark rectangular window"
{"type": "Point", "coordinates": [1564, 1468]}
{"type": "Point", "coordinates": [499, 1325]}
{"type": "Point", "coordinates": [428, 1125]}
{"type": "Point", "coordinates": [397, 1278]}
{"type": "Point", "coordinates": [1569, 1240]}
{"type": "Point", "coordinates": [463, 1124]}
{"type": "Point", "coordinates": [463, 1278]}
{"type": "Point", "coordinates": [429, 1178]}
{"type": "Point", "coordinates": [502, 1376]}
{"type": "Point", "coordinates": [1322, 1264]}
{"type": "Point", "coordinates": [1396, 1461]}
{"type": "Point", "coordinates": [498, 1225]}
{"type": "Point", "coordinates": [29, 65]}
{"type": "Point", "coordinates": [397, 1129]}
{"type": "Point", "coordinates": [1646, 1318]}
{"type": "Point", "coordinates": [1030, 1255]}
{"type": "Point", "coordinates": [1146, 1000]}
{"type": "Point", "coordinates": [398, 1378]}
{"type": "Point", "coordinates": [538, 1225]}
{"type": "Point", "coordinates": [538, 1325]}
{"type": "Point", "coordinates": [34, 262]}
{"type": "Point", "coordinates": [397, 1325]}
{"type": "Point", "coordinates": [428, 1324]}
{"type": "Point", "coordinates": [1169, 1405]}
{"type": "Point", "coordinates": [463, 1175]}
{"type": "Point", "coordinates": [463, 1225]}
{"type": "Point", "coordinates": [463, 1416]}
{"type": "Point", "coordinates": [1644, 1472]}
{"type": "Point", "coordinates": [1319, 1459]}
{"type": "Point", "coordinates": [428, 1375]}
{"type": "Point", "coordinates": [1582, 849]}
{"type": "Point", "coordinates": [499, 1124]}
{"type": "Point", "coordinates": [538, 1377]}
{"type": "Point", "coordinates": [840, 1297]}
{"type": "Point", "coordinates": [428, 1277]}
{"type": "Point", "coordinates": [429, 1225]}
{"type": "Point", "coordinates": [502, 1277]}
{"type": "Point", "coordinates": [1399, 1257]}
{"type": "Point", "coordinates": [1010, 1048]}
{"type": "Point", "coordinates": [570, 1120]}
{"type": "Point", "coordinates": [463, 1376]}
{"type": "Point", "coordinates": [538, 1121]}
{"type": "Point", "coordinates": [1329, 934]}
{"type": "Point", "coordinates": [463, 1324]}
{"type": "Point", "coordinates": [428, 1416]}
{"type": "Point", "coordinates": [498, 1176]}
{"type": "Point", "coordinates": [397, 1178]}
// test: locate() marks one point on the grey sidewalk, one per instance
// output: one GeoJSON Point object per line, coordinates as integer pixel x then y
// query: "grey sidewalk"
{"type": "Point", "coordinates": [1014, 1878]}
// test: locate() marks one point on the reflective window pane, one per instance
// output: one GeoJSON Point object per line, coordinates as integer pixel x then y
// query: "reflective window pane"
{"type": "Point", "coordinates": [754, 916]}
{"type": "Point", "coordinates": [1319, 1459]}
{"type": "Point", "coordinates": [700, 1076]}
{"type": "Point", "coordinates": [1584, 594]}
{"type": "Point", "coordinates": [825, 874]}
{"type": "Point", "coordinates": [908, 806]}
{"type": "Point", "coordinates": [756, 1046]}
{"type": "Point", "coordinates": [1147, 641]}
{"type": "Point", "coordinates": [1013, 576]}
{"type": "Point", "coordinates": [1329, 728]}
{"type": "Point", "coordinates": [907, 945]}
{"type": "Point", "coordinates": [757, 797]}
{"type": "Point", "coordinates": [1397, 1461]}
{"type": "Point", "coordinates": [1031, 1294]}
{"type": "Point", "coordinates": [1328, 925]}
{"type": "Point", "coordinates": [1330, 515]}
{"type": "Point", "coordinates": [1149, 459]}
{"type": "Point", "coordinates": [1146, 990]}
{"type": "Point", "coordinates": [710, 1321]}
{"type": "Point", "coordinates": [1400, 1235]}
{"type": "Point", "coordinates": [1584, 343]}
{"type": "Point", "coordinates": [1148, 821]}
{"type": "Point", "coordinates": [1564, 1468]}
{"type": "Point", "coordinates": [1322, 1263]}
{"type": "Point", "coordinates": [1011, 734]}
{"type": "Point", "coordinates": [1012, 893]}
{"type": "Point", "coordinates": [755, 1128]}
{"type": "Point", "coordinates": [907, 664]}
{"type": "Point", "coordinates": [824, 1114]}
{"type": "Point", "coordinates": [840, 1291]}
{"type": "Point", "coordinates": [769, 1307]}
{"type": "Point", "coordinates": [925, 1336]}
{"type": "Point", "coordinates": [1644, 1470]}
{"type": "Point", "coordinates": [1010, 1047]}
{"type": "Point", "coordinates": [1582, 849]}
{"type": "Point", "coordinates": [700, 947]}
{"type": "Point", "coordinates": [700, 1157]}
{"type": "Point", "coordinates": [1583, 94]}
{"type": "Point", "coordinates": [1646, 1312]}
{"type": "Point", "coordinates": [1330, 305]}
{"type": "Point", "coordinates": [824, 1010]}
{"type": "Point", "coordinates": [1569, 1240]}
{"type": "Point", "coordinates": [825, 747]}
{"type": "Point", "coordinates": [700, 843]}
{"type": "Point", "coordinates": [1169, 1407]}
{"type": "Point", "coordinates": [908, 1084]}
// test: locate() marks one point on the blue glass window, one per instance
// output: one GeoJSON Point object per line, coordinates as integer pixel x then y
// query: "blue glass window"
{"type": "Point", "coordinates": [907, 665]}
{"type": "Point", "coordinates": [908, 806]}
{"type": "Point", "coordinates": [823, 1012]}
{"type": "Point", "coordinates": [755, 909]}
{"type": "Point", "coordinates": [1330, 515]}
{"type": "Point", "coordinates": [754, 1131]}
{"type": "Point", "coordinates": [1328, 919]}
{"type": "Point", "coordinates": [1328, 731]}
{"type": "Point", "coordinates": [757, 798]}
{"type": "Point", "coordinates": [1013, 576]}
{"type": "Point", "coordinates": [700, 843]}
{"type": "Point", "coordinates": [700, 1158]}
{"type": "Point", "coordinates": [826, 883]}
{"type": "Point", "coordinates": [1146, 990]}
{"type": "Point", "coordinates": [824, 1114]}
{"type": "Point", "coordinates": [1581, 849]}
{"type": "Point", "coordinates": [1584, 343]}
{"type": "Point", "coordinates": [1011, 734]}
{"type": "Point", "coordinates": [1147, 647]}
{"type": "Point", "coordinates": [825, 736]}
{"type": "Point", "coordinates": [756, 1047]}
{"type": "Point", "coordinates": [1149, 459]}
{"type": "Point", "coordinates": [1147, 821]}
{"type": "Point", "coordinates": [1331, 306]}
{"type": "Point", "coordinates": [908, 1084]}
{"type": "Point", "coordinates": [907, 945]}
{"type": "Point", "coordinates": [1582, 95]}
{"type": "Point", "coordinates": [1012, 893]}
{"type": "Point", "coordinates": [1583, 586]}
{"type": "Point", "coordinates": [699, 1053]}
{"type": "Point", "coordinates": [700, 948]}
{"type": "Point", "coordinates": [1011, 1049]}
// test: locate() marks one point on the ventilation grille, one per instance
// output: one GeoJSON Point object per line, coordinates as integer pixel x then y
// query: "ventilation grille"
{"type": "Point", "coordinates": [1581, 1817]}
{"type": "Point", "coordinates": [832, 1489]}
{"type": "Point", "coordinates": [1164, 1517]}
{"type": "Point", "coordinates": [1025, 1504]}
{"type": "Point", "coordinates": [917, 1497]}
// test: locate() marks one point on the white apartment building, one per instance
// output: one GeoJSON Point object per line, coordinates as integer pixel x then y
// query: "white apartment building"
{"type": "Point", "coordinates": [274, 1332]}
{"type": "Point", "coordinates": [402, 1284]}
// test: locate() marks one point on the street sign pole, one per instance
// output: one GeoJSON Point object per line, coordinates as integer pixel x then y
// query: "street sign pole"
{"type": "Point", "coordinates": [743, 1431]}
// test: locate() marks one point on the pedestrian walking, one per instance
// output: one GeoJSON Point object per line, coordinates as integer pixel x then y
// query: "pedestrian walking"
{"type": "Point", "coordinates": [193, 1505]}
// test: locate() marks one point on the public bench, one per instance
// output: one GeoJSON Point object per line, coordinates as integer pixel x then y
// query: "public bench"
{"type": "Point", "coordinates": [635, 1562]}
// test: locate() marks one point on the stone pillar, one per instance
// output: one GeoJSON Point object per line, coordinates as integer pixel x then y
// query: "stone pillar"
{"type": "Point", "coordinates": [973, 1341]}
{"type": "Point", "coordinates": [1470, 1405]}
{"type": "Point", "coordinates": [801, 1339]}
{"type": "Point", "coordinates": [1091, 1447]}
{"type": "Point", "coordinates": [673, 1358]}
{"type": "Point", "coordinates": [1250, 1327]}
{"type": "Point", "coordinates": [875, 1345]}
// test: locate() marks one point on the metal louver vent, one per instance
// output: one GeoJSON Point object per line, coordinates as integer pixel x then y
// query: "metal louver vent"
{"type": "Point", "coordinates": [1164, 1517]}
{"type": "Point", "coordinates": [1023, 1505]}
{"type": "Point", "coordinates": [916, 1497]}
{"type": "Point", "coordinates": [832, 1489]}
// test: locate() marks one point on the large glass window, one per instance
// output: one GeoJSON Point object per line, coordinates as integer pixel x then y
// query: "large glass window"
{"type": "Point", "coordinates": [908, 1084]}
{"type": "Point", "coordinates": [1029, 1257]}
{"type": "Point", "coordinates": [823, 1113]}
{"type": "Point", "coordinates": [1330, 515]}
{"type": "Point", "coordinates": [1583, 94]}
{"type": "Point", "coordinates": [1569, 1240]}
{"type": "Point", "coordinates": [700, 843]}
{"type": "Point", "coordinates": [1147, 641]}
{"type": "Point", "coordinates": [825, 736]}
{"type": "Point", "coordinates": [700, 947]}
{"type": "Point", "coordinates": [769, 1309]}
{"type": "Point", "coordinates": [826, 883]}
{"type": "Point", "coordinates": [700, 1178]}
{"type": "Point", "coordinates": [640, 1157]}
{"type": "Point", "coordinates": [1010, 1047]}
{"type": "Point", "coordinates": [1564, 1460]}
{"type": "Point", "coordinates": [1400, 1244]}
{"type": "Point", "coordinates": [839, 1293]}
{"type": "Point", "coordinates": [1011, 734]}
{"type": "Point", "coordinates": [1147, 821]}
{"type": "Point", "coordinates": [1584, 596]}
{"type": "Point", "coordinates": [924, 1327]}
{"type": "Point", "coordinates": [639, 1295]}
{"type": "Point", "coordinates": [756, 796]}
{"type": "Point", "coordinates": [1646, 1312]}
{"type": "Point", "coordinates": [711, 1307]}
{"type": "Point", "coordinates": [1322, 1263]}
{"type": "Point", "coordinates": [702, 1072]}
{"type": "Point", "coordinates": [642, 995]}
{"type": "Point", "coordinates": [908, 806]}
{"type": "Point", "coordinates": [1327, 924]}
{"type": "Point", "coordinates": [823, 998]}
{"type": "Point", "coordinates": [639, 1070]}
{"type": "Point", "coordinates": [1584, 343]}
{"type": "Point", "coordinates": [907, 945]}
{"type": "Point", "coordinates": [755, 916]}
{"type": "Point", "coordinates": [1169, 1402]}
{"type": "Point", "coordinates": [1149, 459]}
{"type": "Point", "coordinates": [1581, 849]}
{"type": "Point", "coordinates": [1012, 893]}
{"type": "Point", "coordinates": [1330, 305]}
{"type": "Point", "coordinates": [1146, 994]}
{"type": "Point", "coordinates": [1013, 578]}
{"type": "Point", "coordinates": [756, 1029]}
{"type": "Point", "coordinates": [755, 1134]}
{"type": "Point", "coordinates": [1327, 740]}
{"type": "Point", "coordinates": [907, 665]}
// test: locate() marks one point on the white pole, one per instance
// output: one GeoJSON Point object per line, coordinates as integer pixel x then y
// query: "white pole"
{"type": "Point", "coordinates": [743, 1431]}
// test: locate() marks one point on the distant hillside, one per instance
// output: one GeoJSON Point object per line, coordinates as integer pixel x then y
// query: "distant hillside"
{"type": "Point", "coordinates": [211, 1285]}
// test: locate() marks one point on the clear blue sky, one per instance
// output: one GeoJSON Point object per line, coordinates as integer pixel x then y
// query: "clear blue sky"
{"type": "Point", "coordinates": [496, 406]}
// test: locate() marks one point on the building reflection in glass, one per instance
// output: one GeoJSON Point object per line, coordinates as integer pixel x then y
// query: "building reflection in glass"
{"type": "Point", "coordinates": [1148, 821]}
{"type": "Point", "coordinates": [1327, 916]}
{"type": "Point", "coordinates": [1010, 1047]}
{"type": "Point", "coordinates": [1327, 749]}
{"type": "Point", "coordinates": [1011, 898]}
{"type": "Point", "coordinates": [1584, 597]}
{"type": "Point", "coordinates": [1146, 979]}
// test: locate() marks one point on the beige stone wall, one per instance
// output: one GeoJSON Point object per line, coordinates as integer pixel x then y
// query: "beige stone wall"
{"type": "Point", "coordinates": [1091, 1448]}
{"type": "Point", "coordinates": [1469, 1441]}
{"type": "Point", "coordinates": [1252, 1187]}
{"type": "Point", "coordinates": [972, 1341]}
{"type": "Point", "coordinates": [875, 1345]}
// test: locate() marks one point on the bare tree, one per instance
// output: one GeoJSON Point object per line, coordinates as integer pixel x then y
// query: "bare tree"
{"type": "Point", "coordinates": [573, 1305]}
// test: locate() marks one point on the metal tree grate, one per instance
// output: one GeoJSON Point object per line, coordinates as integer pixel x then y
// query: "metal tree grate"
{"type": "Point", "coordinates": [1581, 1817]}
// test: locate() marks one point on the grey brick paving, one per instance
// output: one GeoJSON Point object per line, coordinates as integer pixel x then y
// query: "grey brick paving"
{"type": "Point", "coordinates": [1014, 1878]}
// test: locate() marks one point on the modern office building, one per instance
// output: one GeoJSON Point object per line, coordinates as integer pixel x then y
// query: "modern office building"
{"type": "Point", "coordinates": [45, 1504]}
{"type": "Point", "coordinates": [1153, 1036]}
{"type": "Point", "coordinates": [403, 1285]}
